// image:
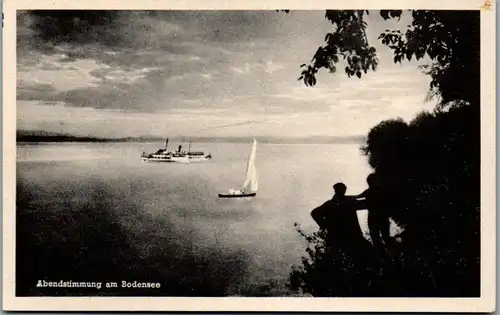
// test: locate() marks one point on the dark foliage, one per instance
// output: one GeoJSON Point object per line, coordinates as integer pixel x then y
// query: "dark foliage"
{"type": "Point", "coordinates": [449, 38]}
{"type": "Point", "coordinates": [347, 42]}
{"type": "Point", "coordinates": [429, 168]}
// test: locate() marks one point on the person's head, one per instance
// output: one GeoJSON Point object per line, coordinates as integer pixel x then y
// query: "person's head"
{"type": "Point", "coordinates": [371, 179]}
{"type": "Point", "coordinates": [339, 189]}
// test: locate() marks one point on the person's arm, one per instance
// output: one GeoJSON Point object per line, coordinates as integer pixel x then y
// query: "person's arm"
{"type": "Point", "coordinates": [318, 216]}
{"type": "Point", "coordinates": [362, 195]}
{"type": "Point", "coordinates": [355, 204]}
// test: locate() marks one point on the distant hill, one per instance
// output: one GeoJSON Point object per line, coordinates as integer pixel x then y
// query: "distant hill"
{"type": "Point", "coordinates": [44, 136]}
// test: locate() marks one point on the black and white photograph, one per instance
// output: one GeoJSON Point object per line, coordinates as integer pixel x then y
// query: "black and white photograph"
{"type": "Point", "coordinates": [250, 153]}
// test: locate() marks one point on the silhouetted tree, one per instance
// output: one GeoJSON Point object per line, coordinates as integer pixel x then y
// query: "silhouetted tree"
{"type": "Point", "coordinates": [429, 166]}
{"type": "Point", "coordinates": [449, 38]}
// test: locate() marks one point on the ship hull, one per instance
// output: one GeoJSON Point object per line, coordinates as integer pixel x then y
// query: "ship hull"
{"type": "Point", "coordinates": [237, 195]}
{"type": "Point", "coordinates": [175, 160]}
{"type": "Point", "coordinates": [152, 160]}
{"type": "Point", "coordinates": [164, 156]}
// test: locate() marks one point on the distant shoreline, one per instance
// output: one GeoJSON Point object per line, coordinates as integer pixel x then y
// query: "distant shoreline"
{"type": "Point", "coordinates": [45, 137]}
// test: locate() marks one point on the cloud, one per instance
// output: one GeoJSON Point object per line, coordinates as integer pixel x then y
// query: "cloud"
{"type": "Point", "coordinates": [268, 66]}
{"type": "Point", "coordinates": [242, 70]}
{"type": "Point", "coordinates": [35, 91]}
{"type": "Point", "coordinates": [242, 65]}
{"type": "Point", "coordinates": [206, 75]}
{"type": "Point", "coordinates": [62, 76]}
{"type": "Point", "coordinates": [271, 67]}
{"type": "Point", "coordinates": [120, 75]}
{"type": "Point", "coordinates": [149, 60]}
{"type": "Point", "coordinates": [86, 34]}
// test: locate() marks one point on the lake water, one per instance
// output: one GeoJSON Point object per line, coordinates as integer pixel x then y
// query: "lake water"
{"type": "Point", "coordinates": [174, 209]}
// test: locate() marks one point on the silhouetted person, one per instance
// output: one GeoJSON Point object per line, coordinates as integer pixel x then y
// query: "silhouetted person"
{"type": "Point", "coordinates": [338, 217]}
{"type": "Point", "coordinates": [378, 219]}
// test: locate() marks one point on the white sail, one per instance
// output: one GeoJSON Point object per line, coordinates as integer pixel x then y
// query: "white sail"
{"type": "Point", "coordinates": [252, 180]}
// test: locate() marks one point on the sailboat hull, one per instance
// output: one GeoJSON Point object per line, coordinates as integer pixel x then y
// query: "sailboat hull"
{"type": "Point", "coordinates": [237, 195]}
{"type": "Point", "coordinates": [251, 181]}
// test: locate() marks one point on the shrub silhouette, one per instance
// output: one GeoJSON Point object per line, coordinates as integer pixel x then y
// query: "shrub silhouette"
{"type": "Point", "coordinates": [430, 170]}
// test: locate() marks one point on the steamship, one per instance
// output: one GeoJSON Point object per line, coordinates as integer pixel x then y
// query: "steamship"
{"type": "Point", "coordinates": [177, 156]}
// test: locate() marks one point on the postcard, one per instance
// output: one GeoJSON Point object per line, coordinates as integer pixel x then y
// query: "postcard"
{"type": "Point", "coordinates": [249, 156]}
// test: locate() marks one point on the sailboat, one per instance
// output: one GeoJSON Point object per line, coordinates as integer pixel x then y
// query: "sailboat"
{"type": "Point", "coordinates": [251, 183]}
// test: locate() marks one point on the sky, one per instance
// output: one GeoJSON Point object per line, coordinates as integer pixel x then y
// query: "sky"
{"type": "Point", "coordinates": [201, 73]}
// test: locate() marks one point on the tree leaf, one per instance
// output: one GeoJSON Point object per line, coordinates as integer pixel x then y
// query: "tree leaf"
{"type": "Point", "coordinates": [384, 14]}
{"type": "Point", "coordinates": [396, 13]}
{"type": "Point", "coordinates": [433, 33]}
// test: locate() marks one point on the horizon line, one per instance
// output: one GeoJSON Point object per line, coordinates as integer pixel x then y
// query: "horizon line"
{"type": "Point", "coordinates": [40, 136]}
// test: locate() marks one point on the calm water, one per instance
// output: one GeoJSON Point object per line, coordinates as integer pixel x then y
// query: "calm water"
{"type": "Point", "coordinates": [178, 203]}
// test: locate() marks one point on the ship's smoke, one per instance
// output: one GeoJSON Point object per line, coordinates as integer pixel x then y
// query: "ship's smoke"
{"type": "Point", "coordinates": [230, 125]}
